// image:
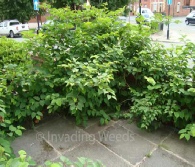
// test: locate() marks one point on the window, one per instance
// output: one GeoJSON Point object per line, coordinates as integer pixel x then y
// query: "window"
{"type": "Point", "coordinates": [178, 7]}
{"type": "Point", "coordinates": [186, 2]}
{"type": "Point", "coordinates": [154, 7]}
{"type": "Point", "coordinates": [161, 7]}
{"type": "Point", "coordinates": [13, 23]}
{"type": "Point", "coordinates": [5, 24]}
{"type": "Point", "coordinates": [1, 24]}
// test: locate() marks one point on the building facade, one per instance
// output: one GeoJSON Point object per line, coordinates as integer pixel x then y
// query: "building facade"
{"type": "Point", "coordinates": [177, 8]}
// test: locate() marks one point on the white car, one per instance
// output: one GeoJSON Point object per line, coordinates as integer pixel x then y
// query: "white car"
{"type": "Point", "coordinates": [12, 28]}
{"type": "Point", "coordinates": [146, 13]}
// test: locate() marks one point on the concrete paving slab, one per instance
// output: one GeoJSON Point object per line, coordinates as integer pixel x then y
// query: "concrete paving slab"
{"type": "Point", "coordinates": [38, 149]}
{"type": "Point", "coordinates": [126, 144]}
{"type": "Point", "coordinates": [161, 158]}
{"type": "Point", "coordinates": [62, 134]}
{"type": "Point", "coordinates": [155, 136]}
{"type": "Point", "coordinates": [97, 151]}
{"type": "Point", "coordinates": [184, 149]}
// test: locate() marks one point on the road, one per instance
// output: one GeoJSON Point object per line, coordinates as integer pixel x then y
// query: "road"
{"type": "Point", "coordinates": [182, 28]}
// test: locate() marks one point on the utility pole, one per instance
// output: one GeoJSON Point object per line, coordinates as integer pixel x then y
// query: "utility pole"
{"type": "Point", "coordinates": [169, 3]}
{"type": "Point", "coordinates": [36, 8]}
{"type": "Point", "coordinates": [140, 5]}
{"type": "Point", "coordinates": [129, 11]}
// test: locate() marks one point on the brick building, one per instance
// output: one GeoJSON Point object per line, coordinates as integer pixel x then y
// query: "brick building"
{"type": "Point", "coordinates": [178, 7]}
{"type": "Point", "coordinates": [181, 7]}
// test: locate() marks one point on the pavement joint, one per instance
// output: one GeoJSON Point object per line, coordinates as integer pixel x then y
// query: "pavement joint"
{"type": "Point", "coordinates": [139, 135]}
{"type": "Point", "coordinates": [153, 150]}
{"type": "Point", "coordinates": [170, 134]}
{"type": "Point", "coordinates": [145, 157]}
{"type": "Point", "coordinates": [72, 148]}
{"type": "Point", "coordinates": [107, 147]}
{"type": "Point", "coordinates": [129, 163]}
{"type": "Point", "coordinates": [179, 157]}
{"type": "Point", "coordinates": [49, 143]}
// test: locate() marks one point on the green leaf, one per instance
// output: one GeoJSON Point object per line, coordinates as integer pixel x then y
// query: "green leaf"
{"type": "Point", "coordinates": [33, 114]}
{"type": "Point", "coordinates": [150, 80]}
{"type": "Point", "coordinates": [192, 131]}
{"type": "Point", "coordinates": [36, 98]}
{"type": "Point", "coordinates": [82, 160]}
{"type": "Point", "coordinates": [176, 114]}
{"type": "Point", "coordinates": [59, 102]}
{"type": "Point", "coordinates": [109, 97]}
{"type": "Point", "coordinates": [12, 128]}
{"type": "Point", "coordinates": [42, 102]}
{"type": "Point", "coordinates": [102, 121]}
{"type": "Point", "coordinates": [182, 131]}
{"type": "Point", "coordinates": [55, 165]}
{"type": "Point", "coordinates": [18, 132]}
{"type": "Point", "coordinates": [48, 163]}
{"type": "Point", "coordinates": [22, 152]}
{"type": "Point", "coordinates": [187, 136]}
{"type": "Point", "coordinates": [80, 106]}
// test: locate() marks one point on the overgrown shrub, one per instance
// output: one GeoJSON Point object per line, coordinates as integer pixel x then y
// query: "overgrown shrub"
{"type": "Point", "coordinates": [87, 64]}
{"type": "Point", "coordinates": [97, 66]}
{"type": "Point", "coordinates": [165, 89]}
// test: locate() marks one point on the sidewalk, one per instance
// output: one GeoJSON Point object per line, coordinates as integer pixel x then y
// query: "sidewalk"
{"type": "Point", "coordinates": [118, 144]}
{"type": "Point", "coordinates": [174, 37]}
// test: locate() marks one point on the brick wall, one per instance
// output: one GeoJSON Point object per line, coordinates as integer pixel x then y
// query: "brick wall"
{"type": "Point", "coordinates": [176, 9]}
{"type": "Point", "coordinates": [41, 19]}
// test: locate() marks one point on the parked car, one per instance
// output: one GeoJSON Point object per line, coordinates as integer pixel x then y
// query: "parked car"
{"type": "Point", "coordinates": [190, 18]}
{"type": "Point", "coordinates": [147, 18]}
{"type": "Point", "coordinates": [12, 28]}
{"type": "Point", "coordinates": [146, 13]}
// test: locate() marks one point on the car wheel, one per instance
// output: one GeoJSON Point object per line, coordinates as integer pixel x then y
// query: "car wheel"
{"type": "Point", "coordinates": [187, 22]}
{"type": "Point", "coordinates": [11, 34]}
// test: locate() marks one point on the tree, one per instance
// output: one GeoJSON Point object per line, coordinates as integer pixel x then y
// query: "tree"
{"type": "Point", "coordinates": [17, 9]}
{"type": "Point", "coordinates": [112, 4]}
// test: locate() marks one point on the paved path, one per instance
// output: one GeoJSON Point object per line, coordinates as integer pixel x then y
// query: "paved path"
{"type": "Point", "coordinates": [174, 36]}
{"type": "Point", "coordinates": [118, 144]}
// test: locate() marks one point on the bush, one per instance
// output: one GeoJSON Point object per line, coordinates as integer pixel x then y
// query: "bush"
{"type": "Point", "coordinates": [86, 65]}
{"type": "Point", "coordinates": [24, 161]}
{"type": "Point", "coordinates": [166, 88]}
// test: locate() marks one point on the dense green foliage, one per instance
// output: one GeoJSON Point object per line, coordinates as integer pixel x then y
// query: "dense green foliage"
{"type": "Point", "coordinates": [112, 4]}
{"type": "Point", "coordinates": [24, 161]}
{"type": "Point", "coordinates": [89, 64]}
{"type": "Point", "coordinates": [23, 9]}
{"type": "Point", "coordinates": [18, 9]}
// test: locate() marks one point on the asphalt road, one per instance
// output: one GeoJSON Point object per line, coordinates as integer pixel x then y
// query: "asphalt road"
{"type": "Point", "coordinates": [182, 27]}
